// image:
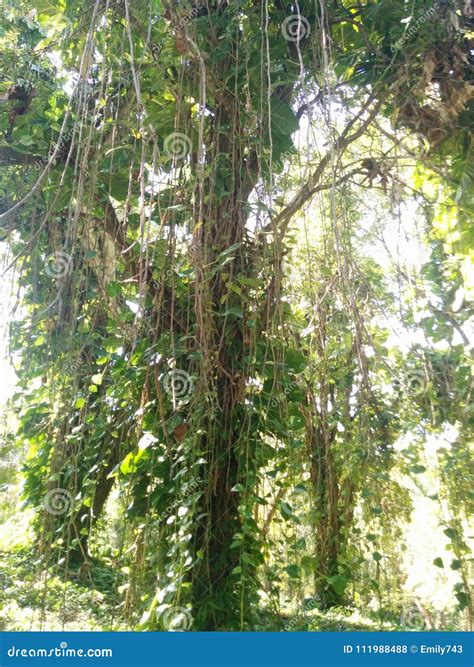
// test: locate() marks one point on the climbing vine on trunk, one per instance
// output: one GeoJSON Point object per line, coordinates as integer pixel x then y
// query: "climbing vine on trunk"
{"type": "Point", "coordinates": [159, 162]}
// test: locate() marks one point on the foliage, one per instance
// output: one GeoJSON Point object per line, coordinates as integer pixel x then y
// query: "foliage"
{"type": "Point", "coordinates": [202, 372]}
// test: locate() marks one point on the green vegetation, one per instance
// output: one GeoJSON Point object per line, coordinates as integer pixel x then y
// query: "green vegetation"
{"type": "Point", "coordinates": [239, 305]}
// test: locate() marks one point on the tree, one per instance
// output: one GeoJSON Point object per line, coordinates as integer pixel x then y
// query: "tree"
{"type": "Point", "coordinates": [152, 245]}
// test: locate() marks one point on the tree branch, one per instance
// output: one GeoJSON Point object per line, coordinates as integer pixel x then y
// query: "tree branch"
{"type": "Point", "coordinates": [312, 184]}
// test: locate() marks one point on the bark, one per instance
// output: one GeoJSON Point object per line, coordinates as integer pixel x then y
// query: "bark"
{"type": "Point", "coordinates": [216, 592]}
{"type": "Point", "coordinates": [328, 524]}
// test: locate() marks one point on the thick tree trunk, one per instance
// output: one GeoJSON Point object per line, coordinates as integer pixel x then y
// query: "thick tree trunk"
{"type": "Point", "coordinates": [215, 597]}
{"type": "Point", "coordinates": [217, 591]}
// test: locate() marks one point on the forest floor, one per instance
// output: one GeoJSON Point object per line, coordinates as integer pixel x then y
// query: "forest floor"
{"type": "Point", "coordinates": [32, 599]}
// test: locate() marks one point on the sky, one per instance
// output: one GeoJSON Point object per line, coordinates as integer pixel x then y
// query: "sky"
{"type": "Point", "coordinates": [7, 374]}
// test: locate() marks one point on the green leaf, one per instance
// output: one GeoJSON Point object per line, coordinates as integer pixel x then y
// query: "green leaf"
{"type": "Point", "coordinates": [438, 562]}
{"type": "Point", "coordinates": [308, 564]}
{"type": "Point", "coordinates": [417, 469]}
{"type": "Point", "coordinates": [451, 533]}
{"type": "Point", "coordinates": [283, 119]}
{"type": "Point", "coordinates": [286, 511]}
{"type": "Point", "coordinates": [377, 556]}
{"type": "Point", "coordinates": [228, 250]}
{"type": "Point", "coordinates": [26, 140]}
{"type": "Point", "coordinates": [295, 360]}
{"type": "Point", "coordinates": [234, 311]}
{"type": "Point", "coordinates": [127, 465]}
{"type": "Point", "coordinates": [247, 558]}
{"type": "Point", "coordinates": [338, 583]}
{"type": "Point", "coordinates": [118, 187]}
{"type": "Point", "coordinates": [463, 599]}
{"type": "Point", "coordinates": [113, 289]}
{"type": "Point", "coordinates": [293, 571]}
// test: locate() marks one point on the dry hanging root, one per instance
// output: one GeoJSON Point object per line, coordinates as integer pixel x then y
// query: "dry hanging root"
{"type": "Point", "coordinates": [184, 270]}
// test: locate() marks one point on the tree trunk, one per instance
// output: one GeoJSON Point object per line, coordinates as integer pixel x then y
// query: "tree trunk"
{"type": "Point", "coordinates": [327, 527]}
{"type": "Point", "coordinates": [217, 593]}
